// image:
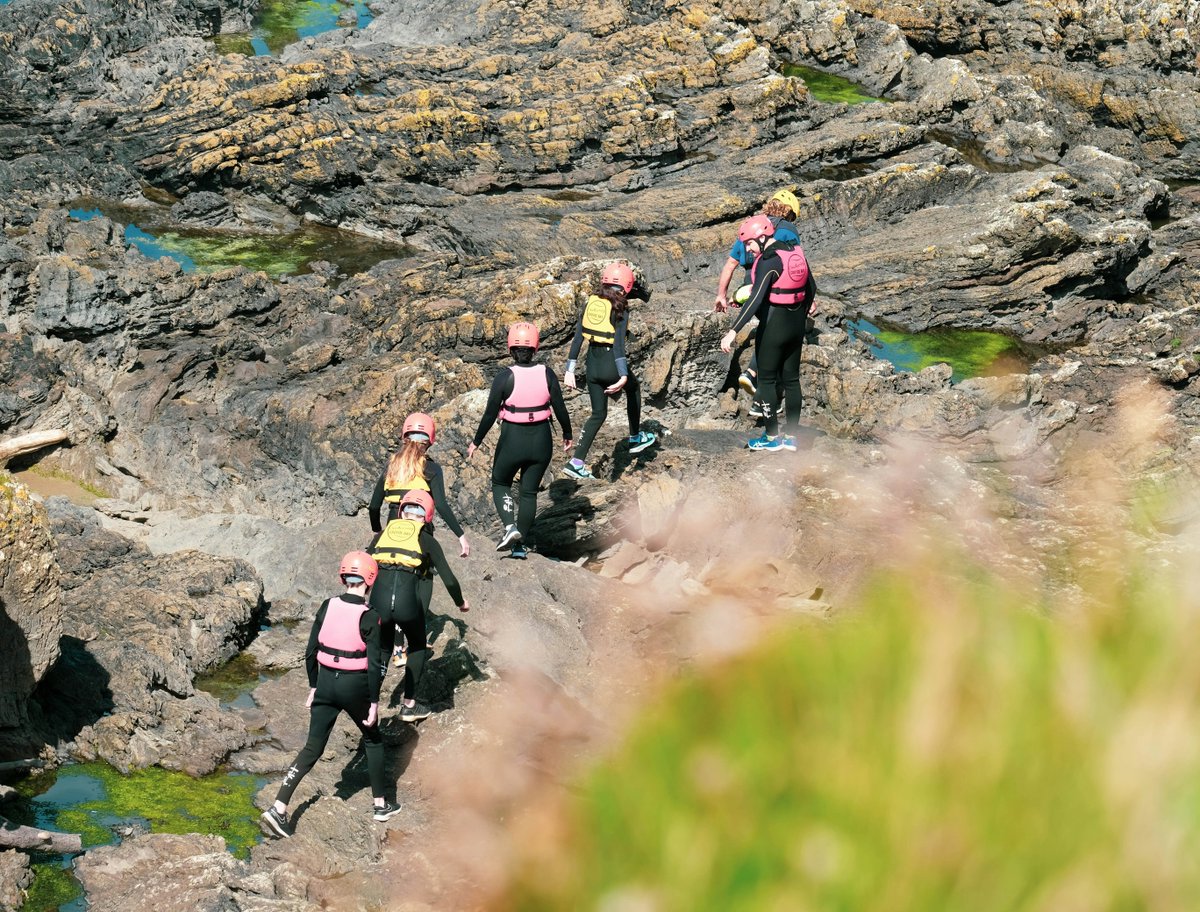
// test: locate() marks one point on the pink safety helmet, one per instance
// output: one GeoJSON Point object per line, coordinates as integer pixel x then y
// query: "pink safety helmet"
{"type": "Point", "coordinates": [755, 228]}
{"type": "Point", "coordinates": [523, 335]}
{"type": "Point", "coordinates": [618, 274]}
{"type": "Point", "coordinates": [359, 563]}
{"type": "Point", "coordinates": [420, 423]}
{"type": "Point", "coordinates": [423, 499]}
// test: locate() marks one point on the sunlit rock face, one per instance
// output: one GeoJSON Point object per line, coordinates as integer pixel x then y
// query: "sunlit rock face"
{"type": "Point", "coordinates": [30, 613]}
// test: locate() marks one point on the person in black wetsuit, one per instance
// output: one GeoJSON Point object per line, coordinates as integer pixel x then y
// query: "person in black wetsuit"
{"type": "Point", "coordinates": [344, 665]}
{"type": "Point", "coordinates": [412, 469]}
{"type": "Point", "coordinates": [408, 553]}
{"type": "Point", "coordinates": [603, 323]}
{"type": "Point", "coordinates": [523, 396]}
{"type": "Point", "coordinates": [781, 281]}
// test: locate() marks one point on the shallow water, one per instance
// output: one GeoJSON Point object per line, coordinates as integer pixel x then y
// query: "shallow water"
{"type": "Point", "coordinates": [197, 250]}
{"type": "Point", "coordinates": [233, 683]}
{"type": "Point", "coordinates": [970, 353]}
{"type": "Point", "coordinates": [102, 806]}
{"type": "Point", "coordinates": [283, 22]}
{"type": "Point", "coordinates": [827, 87]}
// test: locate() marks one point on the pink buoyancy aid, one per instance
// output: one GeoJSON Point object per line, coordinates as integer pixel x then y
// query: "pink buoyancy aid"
{"type": "Point", "coordinates": [791, 287]}
{"type": "Point", "coordinates": [529, 401]}
{"type": "Point", "coordinates": [339, 643]}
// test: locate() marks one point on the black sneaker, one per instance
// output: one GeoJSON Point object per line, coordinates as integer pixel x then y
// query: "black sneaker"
{"type": "Point", "coordinates": [511, 537]}
{"type": "Point", "coordinates": [386, 811]}
{"type": "Point", "coordinates": [274, 824]}
{"type": "Point", "coordinates": [415, 713]}
{"type": "Point", "coordinates": [520, 552]}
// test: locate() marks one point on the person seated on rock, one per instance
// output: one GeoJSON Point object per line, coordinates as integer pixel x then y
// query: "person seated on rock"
{"type": "Point", "coordinates": [345, 666]}
{"type": "Point", "coordinates": [782, 289]}
{"type": "Point", "coordinates": [407, 554]}
{"type": "Point", "coordinates": [603, 322]}
{"type": "Point", "coordinates": [411, 468]}
{"type": "Point", "coordinates": [782, 209]}
{"type": "Point", "coordinates": [523, 397]}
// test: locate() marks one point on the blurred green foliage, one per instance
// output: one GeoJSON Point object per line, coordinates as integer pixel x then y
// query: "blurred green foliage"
{"type": "Point", "coordinates": [949, 746]}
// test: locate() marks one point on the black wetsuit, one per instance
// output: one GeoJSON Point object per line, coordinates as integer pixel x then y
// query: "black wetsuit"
{"type": "Point", "coordinates": [437, 490]}
{"type": "Point", "coordinates": [350, 691]}
{"type": "Point", "coordinates": [606, 364]}
{"type": "Point", "coordinates": [400, 600]}
{"type": "Point", "coordinates": [778, 341]}
{"type": "Point", "coordinates": [523, 447]}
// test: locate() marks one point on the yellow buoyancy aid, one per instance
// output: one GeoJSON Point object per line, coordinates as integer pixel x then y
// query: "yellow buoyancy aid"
{"type": "Point", "coordinates": [399, 545]}
{"type": "Point", "coordinates": [396, 494]}
{"type": "Point", "coordinates": [597, 321]}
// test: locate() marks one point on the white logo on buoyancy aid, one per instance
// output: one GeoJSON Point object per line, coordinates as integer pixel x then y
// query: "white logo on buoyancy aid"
{"type": "Point", "coordinates": [791, 286]}
{"type": "Point", "coordinates": [399, 544]}
{"type": "Point", "coordinates": [339, 642]}
{"type": "Point", "coordinates": [529, 401]}
{"type": "Point", "coordinates": [597, 321]}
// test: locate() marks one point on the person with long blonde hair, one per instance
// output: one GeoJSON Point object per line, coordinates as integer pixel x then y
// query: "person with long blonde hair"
{"type": "Point", "coordinates": [411, 468]}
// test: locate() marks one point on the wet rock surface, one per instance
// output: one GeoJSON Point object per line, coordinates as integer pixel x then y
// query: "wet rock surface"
{"type": "Point", "coordinates": [1027, 173]}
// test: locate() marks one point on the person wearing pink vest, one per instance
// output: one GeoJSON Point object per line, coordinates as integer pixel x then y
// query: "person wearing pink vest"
{"type": "Point", "coordinates": [345, 666]}
{"type": "Point", "coordinates": [524, 396]}
{"type": "Point", "coordinates": [782, 293]}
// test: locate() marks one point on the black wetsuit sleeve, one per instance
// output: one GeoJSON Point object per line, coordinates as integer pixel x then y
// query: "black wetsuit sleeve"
{"type": "Point", "coordinates": [619, 329]}
{"type": "Point", "coordinates": [438, 559]}
{"type": "Point", "coordinates": [770, 268]}
{"type": "Point", "coordinates": [577, 342]}
{"type": "Point", "coordinates": [437, 490]}
{"type": "Point", "coordinates": [502, 388]}
{"type": "Point", "coordinates": [376, 505]}
{"type": "Point", "coordinates": [559, 404]}
{"type": "Point", "coordinates": [368, 629]}
{"type": "Point", "coordinates": [310, 651]}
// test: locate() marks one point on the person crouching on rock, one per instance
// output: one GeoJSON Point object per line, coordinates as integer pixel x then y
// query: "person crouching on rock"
{"type": "Point", "coordinates": [523, 396]}
{"type": "Point", "coordinates": [407, 554]}
{"type": "Point", "coordinates": [781, 293]}
{"type": "Point", "coordinates": [603, 323]}
{"type": "Point", "coordinates": [344, 664]}
{"type": "Point", "coordinates": [411, 468]}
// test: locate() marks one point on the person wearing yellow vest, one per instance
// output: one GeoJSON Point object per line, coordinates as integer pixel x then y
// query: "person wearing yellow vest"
{"type": "Point", "coordinates": [411, 468]}
{"type": "Point", "coordinates": [407, 554]}
{"type": "Point", "coordinates": [344, 665]}
{"type": "Point", "coordinates": [523, 397]}
{"type": "Point", "coordinates": [603, 324]}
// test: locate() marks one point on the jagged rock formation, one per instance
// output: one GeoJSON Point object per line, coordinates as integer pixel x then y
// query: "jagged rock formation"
{"type": "Point", "coordinates": [30, 615]}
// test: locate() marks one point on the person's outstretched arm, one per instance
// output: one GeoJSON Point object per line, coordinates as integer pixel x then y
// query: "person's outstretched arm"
{"type": "Point", "coordinates": [376, 505]}
{"type": "Point", "coordinates": [437, 557]}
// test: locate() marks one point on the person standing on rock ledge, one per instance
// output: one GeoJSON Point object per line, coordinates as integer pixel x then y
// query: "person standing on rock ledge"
{"type": "Point", "coordinates": [523, 397]}
{"type": "Point", "coordinates": [781, 294]}
{"type": "Point", "coordinates": [345, 668]}
{"type": "Point", "coordinates": [782, 209]}
{"type": "Point", "coordinates": [603, 323]}
{"type": "Point", "coordinates": [411, 469]}
{"type": "Point", "coordinates": [407, 554]}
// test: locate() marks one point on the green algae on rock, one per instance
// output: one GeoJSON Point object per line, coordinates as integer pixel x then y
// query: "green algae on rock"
{"type": "Point", "coordinates": [827, 87]}
{"type": "Point", "coordinates": [96, 801]}
{"type": "Point", "coordinates": [970, 353]}
{"type": "Point", "coordinates": [232, 682]}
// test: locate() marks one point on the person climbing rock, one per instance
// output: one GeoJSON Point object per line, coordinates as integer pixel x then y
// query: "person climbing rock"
{"type": "Point", "coordinates": [411, 468]}
{"type": "Point", "coordinates": [782, 209]}
{"type": "Point", "coordinates": [603, 324]}
{"type": "Point", "coordinates": [407, 554]}
{"type": "Point", "coordinates": [523, 397]}
{"type": "Point", "coordinates": [782, 289]}
{"type": "Point", "coordinates": [344, 662]}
